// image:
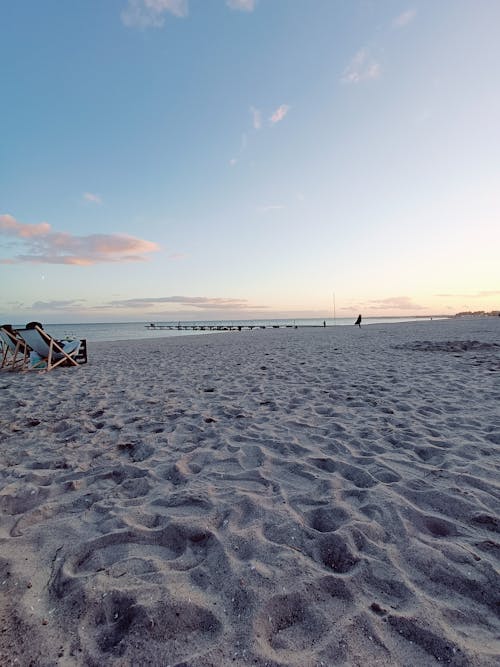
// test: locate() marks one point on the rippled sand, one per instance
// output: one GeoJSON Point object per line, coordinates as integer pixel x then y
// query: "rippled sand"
{"type": "Point", "coordinates": [287, 497]}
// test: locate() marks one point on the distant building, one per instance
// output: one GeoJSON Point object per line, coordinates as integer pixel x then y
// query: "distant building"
{"type": "Point", "coordinates": [478, 313]}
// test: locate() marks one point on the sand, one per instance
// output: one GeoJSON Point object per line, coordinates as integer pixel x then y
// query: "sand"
{"type": "Point", "coordinates": [287, 497]}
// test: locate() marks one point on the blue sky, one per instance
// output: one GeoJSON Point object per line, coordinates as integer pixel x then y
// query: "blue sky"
{"type": "Point", "coordinates": [205, 159]}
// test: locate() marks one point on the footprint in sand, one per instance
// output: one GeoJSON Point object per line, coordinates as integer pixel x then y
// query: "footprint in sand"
{"type": "Point", "coordinates": [123, 587]}
{"type": "Point", "coordinates": [333, 552]}
{"type": "Point", "coordinates": [147, 555]}
{"type": "Point", "coordinates": [288, 624]}
{"type": "Point", "coordinates": [326, 519]}
{"type": "Point", "coordinates": [178, 628]}
{"type": "Point", "coordinates": [19, 497]}
{"type": "Point", "coordinates": [358, 476]}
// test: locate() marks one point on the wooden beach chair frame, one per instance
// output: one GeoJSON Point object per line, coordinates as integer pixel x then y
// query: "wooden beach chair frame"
{"type": "Point", "coordinates": [51, 352]}
{"type": "Point", "coordinates": [15, 350]}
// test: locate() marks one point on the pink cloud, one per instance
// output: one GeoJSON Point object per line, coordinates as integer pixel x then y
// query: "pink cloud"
{"type": "Point", "coordinates": [361, 68]}
{"type": "Point", "coordinates": [10, 227]}
{"type": "Point", "coordinates": [394, 303]}
{"type": "Point", "coordinates": [92, 198]}
{"type": "Point", "coordinates": [47, 247]}
{"type": "Point", "coordinates": [280, 113]}
{"type": "Point", "coordinates": [203, 302]}
{"type": "Point", "coordinates": [404, 19]}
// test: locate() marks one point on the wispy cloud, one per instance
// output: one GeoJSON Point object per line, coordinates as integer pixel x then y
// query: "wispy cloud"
{"type": "Point", "coordinates": [199, 302]}
{"type": "Point", "coordinates": [43, 246]}
{"type": "Point", "coordinates": [477, 295]}
{"type": "Point", "coordinates": [242, 5]}
{"type": "Point", "coordinates": [404, 19]}
{"type": "Point", "coordinates": [68, 304]}
{"type": "Point", "coordinates": [151, 13]}
{"type": "Point", "coordinates": [488, 293]}
{"type": "Point", "coordinates": [256, 118]}
{"type": "Point", "coordinates": [162, 308]}
{"type": "Point", "coordinates": [361, 68]}
{"type": "Point", "coordinates": [394, 303]}
{"type": "Point", "coordinates": [92, 198]}
{"type": "Point", "coordinates": [256, 115]}
{"type": "Point", "coordinates": [243, 146]}
{"type": "Point", "coordinates": [279, 114]}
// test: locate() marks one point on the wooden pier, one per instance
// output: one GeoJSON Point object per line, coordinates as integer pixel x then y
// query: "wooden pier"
{"type": "Point", "coordinates": [221, 327]}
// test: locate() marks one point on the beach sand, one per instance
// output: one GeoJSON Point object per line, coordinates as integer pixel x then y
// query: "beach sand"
{"type": "Point", "coordinates": [283, 497]}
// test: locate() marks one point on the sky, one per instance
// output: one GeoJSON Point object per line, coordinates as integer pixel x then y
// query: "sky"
{"type": "Point", "coordinates": [240, 159]}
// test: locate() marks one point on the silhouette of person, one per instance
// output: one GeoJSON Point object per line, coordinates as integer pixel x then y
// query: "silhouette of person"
{"type": "Point", "coordinates": [34, 325]}
{"type": "Point", "coordinates": [358, 321]}
{"type": "Point", "coordinates": [324, 323]}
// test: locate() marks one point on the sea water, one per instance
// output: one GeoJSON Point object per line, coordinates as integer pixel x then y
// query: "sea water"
{"type": "Point", "coordinates": [134, 330]}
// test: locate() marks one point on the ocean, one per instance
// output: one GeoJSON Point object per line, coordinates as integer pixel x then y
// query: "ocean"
{"type": "Point", "coordinates": [134, 330]}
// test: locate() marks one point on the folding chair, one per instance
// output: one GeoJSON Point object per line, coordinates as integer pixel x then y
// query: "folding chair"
{"type": "Point", "coordinates": [15, 352]}
{"type": "Point", "coordinates": [52, 353]}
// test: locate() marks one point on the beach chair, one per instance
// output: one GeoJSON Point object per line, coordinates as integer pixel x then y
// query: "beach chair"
{"type": "Point", "coordinates": [81, 356]}
{"type": "Point", "coordinates": [15, 352]}
{"type": "Point", "coordinates": [51, 353]}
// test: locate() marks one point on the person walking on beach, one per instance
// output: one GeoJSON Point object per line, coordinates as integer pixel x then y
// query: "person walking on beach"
{"type": "Point", "coordinates": [358, 321]}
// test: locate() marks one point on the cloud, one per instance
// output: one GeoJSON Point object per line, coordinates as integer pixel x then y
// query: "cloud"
{"type": "Point", "coordinates": [478, 295]}
{"type": "Point", "coordinates": [256, 118]}
{"type": "Point", "coordinates": [404, 19]}
{"type": "Point", "coordinates": [279, 114]}
{"type": "Point", "coordinates": [69, 304]}
{"type": "Point", "coordinates": [11, 227]}
{"type": "Point", "coordinates": [92, 198]}
{"type": "Point", "coordinates": [361, 68]}
{"type": "Point", "coordinates": [216, 307]}
{"type": "Point", "coordinates": [256, 114]}
{"type": "Point", "coordinates": [201, 302]}
{"type": "Point", "coordinates": [488, 293]}
{"type": "Point", "coordinates": [43, 246]}
{"type": "Point", "coordinates": [243, 146]}
{"type": "Point", "coordinates": [394, 303]}
{"type": "Point", "coordinates": [242, 5]}
{"type": "Point", "coordinates": [151, 13]}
